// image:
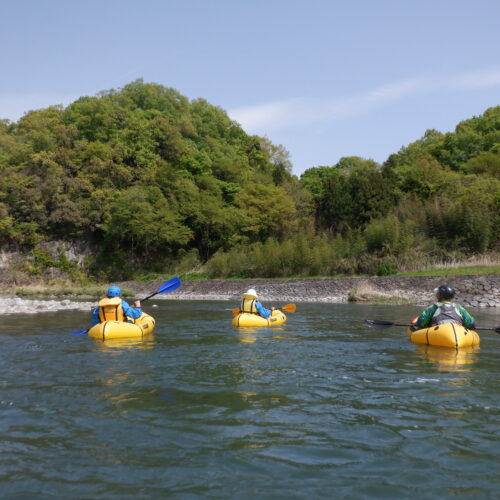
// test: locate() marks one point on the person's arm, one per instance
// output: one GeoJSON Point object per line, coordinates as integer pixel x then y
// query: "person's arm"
{"type": "Point", "coordinates": [95, 316]}
{"type": "Point", "coordinates": [426, 316]}
{"type": "Point", "coordinates": [265, 313]}
{"type": "Point", "coordinates": [467, 320]}
{"type": "Point", "coordinates": [131, 312]}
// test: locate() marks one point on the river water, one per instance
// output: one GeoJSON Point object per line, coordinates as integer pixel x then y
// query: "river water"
{"type": "Point", "coordinates": [322, 407]}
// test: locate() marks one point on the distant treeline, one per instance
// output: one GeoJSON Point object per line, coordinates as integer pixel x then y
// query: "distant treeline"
{"type": "Point", "coordinates": [156, 183]}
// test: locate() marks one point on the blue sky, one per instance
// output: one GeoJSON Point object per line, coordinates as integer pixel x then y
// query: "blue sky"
{"type": "Point", "coordinates": [324, 78]}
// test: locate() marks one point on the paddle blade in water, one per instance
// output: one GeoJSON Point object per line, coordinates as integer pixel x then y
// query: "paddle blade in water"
{"type": "Point", "coordinates": [495, 329]}
{"type": "Point", "coordinates": [375, 323]}
{"type": "Point", "coordinates": [291, 308]}
{"type": "Point", "coordinates": [379, 323]}
{"type": "Point", "coordinates": [79, 332]}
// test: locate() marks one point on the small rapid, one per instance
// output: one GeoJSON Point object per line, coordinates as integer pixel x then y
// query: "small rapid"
{"type": "Point", "coordinates": [34, 306]}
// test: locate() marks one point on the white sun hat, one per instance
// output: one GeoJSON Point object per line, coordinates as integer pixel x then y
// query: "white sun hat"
{"type": "Point", "coordinates": [250, 294]}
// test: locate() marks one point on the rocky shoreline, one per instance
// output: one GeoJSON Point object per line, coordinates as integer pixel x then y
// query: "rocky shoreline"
{"type": "Point", "coordinates": [472, 291]}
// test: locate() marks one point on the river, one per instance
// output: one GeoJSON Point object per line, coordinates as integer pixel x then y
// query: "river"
{"type": "Point", "coordinates": [322, 407]}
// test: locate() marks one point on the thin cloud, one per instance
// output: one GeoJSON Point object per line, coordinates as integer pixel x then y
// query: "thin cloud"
{"type": "Point", "coordinates": [302, 111]}
{"type": "Point", "coordinates": [275, 113]}
{"type": "Point", "coordinates": [479, 80]}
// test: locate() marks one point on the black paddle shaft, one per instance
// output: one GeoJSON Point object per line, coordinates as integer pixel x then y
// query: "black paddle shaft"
{"type": "Point", "coordinates": [382, 324]}
{"type": "Point", "coordinates": [152, 295]}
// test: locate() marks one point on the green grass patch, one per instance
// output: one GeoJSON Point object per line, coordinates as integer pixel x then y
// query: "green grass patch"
{"type": "Point", "coordinates": [195, 276]}
{"type": "Point", "coordinates": [454, 271]}
{"type": "Point", "coordinates": [367, 293]}
{"type": "Point", "coordinates": [65, 291]}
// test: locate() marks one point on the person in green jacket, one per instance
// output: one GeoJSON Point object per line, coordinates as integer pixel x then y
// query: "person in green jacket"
{"type": "Point", "coordinates": [445, 311]}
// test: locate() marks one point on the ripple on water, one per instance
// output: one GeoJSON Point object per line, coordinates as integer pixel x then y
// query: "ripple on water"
{"type": "Point", "coordinates": [321, 408]}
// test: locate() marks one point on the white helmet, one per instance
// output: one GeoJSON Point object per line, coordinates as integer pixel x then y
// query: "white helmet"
{"type": "Point", "coordinates": [250, 294]}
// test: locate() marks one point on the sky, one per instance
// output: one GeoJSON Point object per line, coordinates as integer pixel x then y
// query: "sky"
{"type": "Point", "coordinates": [323, 78]}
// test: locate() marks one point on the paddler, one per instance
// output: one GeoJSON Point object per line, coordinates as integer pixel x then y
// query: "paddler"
{"type": "Point", "coordinates": [114, 308]}
{"type": "Point", "coordinates": [445, 311]}
{"type": "Point", "coordinates": [250, 304]}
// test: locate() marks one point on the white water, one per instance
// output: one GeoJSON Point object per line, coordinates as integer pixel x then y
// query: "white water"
{"type": "Point", "coordinates": [28, 306]}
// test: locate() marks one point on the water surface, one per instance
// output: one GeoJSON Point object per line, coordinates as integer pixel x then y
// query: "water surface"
{"type": "Point", "coordinates": [319, 408]}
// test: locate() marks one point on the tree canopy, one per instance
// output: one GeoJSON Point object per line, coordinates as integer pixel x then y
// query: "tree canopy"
{"type": "Point", "coordinates": [151, 180]}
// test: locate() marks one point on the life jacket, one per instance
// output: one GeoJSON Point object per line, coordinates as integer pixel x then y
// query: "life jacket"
{"type": "Point", "coordinates": [248, 306]}
{"type": "Point", "coordinates": [110, 309]}
{"type": "Point", "coordinates": [446, 313]}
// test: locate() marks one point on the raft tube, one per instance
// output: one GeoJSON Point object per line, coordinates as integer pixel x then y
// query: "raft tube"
{"type": "Point", "coordinates": [120, 329]}
{"type": "Point", "coordinates": [251, 319]}
{"type": "Point", "coordinates": [444, 335]}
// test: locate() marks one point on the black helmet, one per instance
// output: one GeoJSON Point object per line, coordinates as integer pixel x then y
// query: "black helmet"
{"type": "Point", "coordinates": [445, 291]}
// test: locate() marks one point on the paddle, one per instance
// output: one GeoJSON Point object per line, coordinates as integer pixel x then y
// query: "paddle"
{"type": "Point", "coordinates": [291, 308]}
{"type": "Point", "coordinates": [169, 286]}
{"type": "Point", "coordinates": [379, 324]}
{"type": "Point", "coordinates": [375, 323]}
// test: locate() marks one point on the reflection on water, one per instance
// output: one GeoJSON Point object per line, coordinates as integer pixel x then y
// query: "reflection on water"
{"type": "Point", "coordinates": [249, 334]}
{"type": "Point", "coordinates": [115, 345]}
{"type": "Point", "coordinates": [449, 359]}
{"type": "Point", "coordinates": [320, 407]}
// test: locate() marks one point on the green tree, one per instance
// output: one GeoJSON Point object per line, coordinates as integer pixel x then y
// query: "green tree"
{"type": "Point", "coordinates": [265, 211]}
{"type": "Point", "coordinates": [140, 218]}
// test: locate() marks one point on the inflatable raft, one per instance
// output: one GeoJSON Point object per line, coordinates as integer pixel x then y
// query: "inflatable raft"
{"type": "Point", "coordinates": [120, 330]}
{"type": "Point", "coordinates": [445, 335]}
{"type": "Point", "coordinates": [251, 319]}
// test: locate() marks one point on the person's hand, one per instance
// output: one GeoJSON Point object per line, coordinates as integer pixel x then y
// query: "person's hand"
{"type": "Point", "coordinates": [273, 308]}
{"type": "Point", "coordinates": [137, 303]}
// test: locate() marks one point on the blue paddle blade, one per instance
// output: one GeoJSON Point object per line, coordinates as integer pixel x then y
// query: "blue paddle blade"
{"type": "Point", "coordinates": [79, 332]}
{"type": "Point", "coordinates": [170, 285]}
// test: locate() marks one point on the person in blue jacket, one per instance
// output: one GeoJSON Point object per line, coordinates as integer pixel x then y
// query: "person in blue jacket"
{"type": "Point", "coordinates": [114, 308]}
{"type": "Point", "coordinates": [445, 311]}
{"type": "Point", "coordinates": [250, 304]}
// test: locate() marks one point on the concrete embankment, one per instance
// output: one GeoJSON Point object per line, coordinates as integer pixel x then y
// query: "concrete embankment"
{"type": "Point", "coordinates": [473, 291]}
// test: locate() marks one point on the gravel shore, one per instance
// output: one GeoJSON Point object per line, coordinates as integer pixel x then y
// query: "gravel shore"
{"type": "Point", "coordinates": [472, 291]}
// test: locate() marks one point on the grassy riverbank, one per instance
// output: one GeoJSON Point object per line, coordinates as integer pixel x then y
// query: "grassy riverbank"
{"type": "Point", "coordinates": [362, 293]}
{"type": "Point", "coordinates": [455, 271]}
{"type": "Point", "coordinates": [66, 290]}
{"type": "Point", "coordinates": [444, 270]}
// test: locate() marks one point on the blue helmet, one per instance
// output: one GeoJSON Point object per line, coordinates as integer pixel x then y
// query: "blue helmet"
{"type": "Point", "coordinates": [114, 291]}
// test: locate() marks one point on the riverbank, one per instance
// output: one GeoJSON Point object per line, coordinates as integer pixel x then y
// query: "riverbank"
{"type": "Point", "coordinates": [472, 291]}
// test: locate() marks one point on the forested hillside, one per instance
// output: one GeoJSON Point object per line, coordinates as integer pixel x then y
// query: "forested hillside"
{"type": "Point", "coordinates": [154, 183]}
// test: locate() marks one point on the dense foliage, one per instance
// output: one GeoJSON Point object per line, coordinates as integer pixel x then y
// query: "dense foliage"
{"type": "Point", "coordinates": [157, 183]}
